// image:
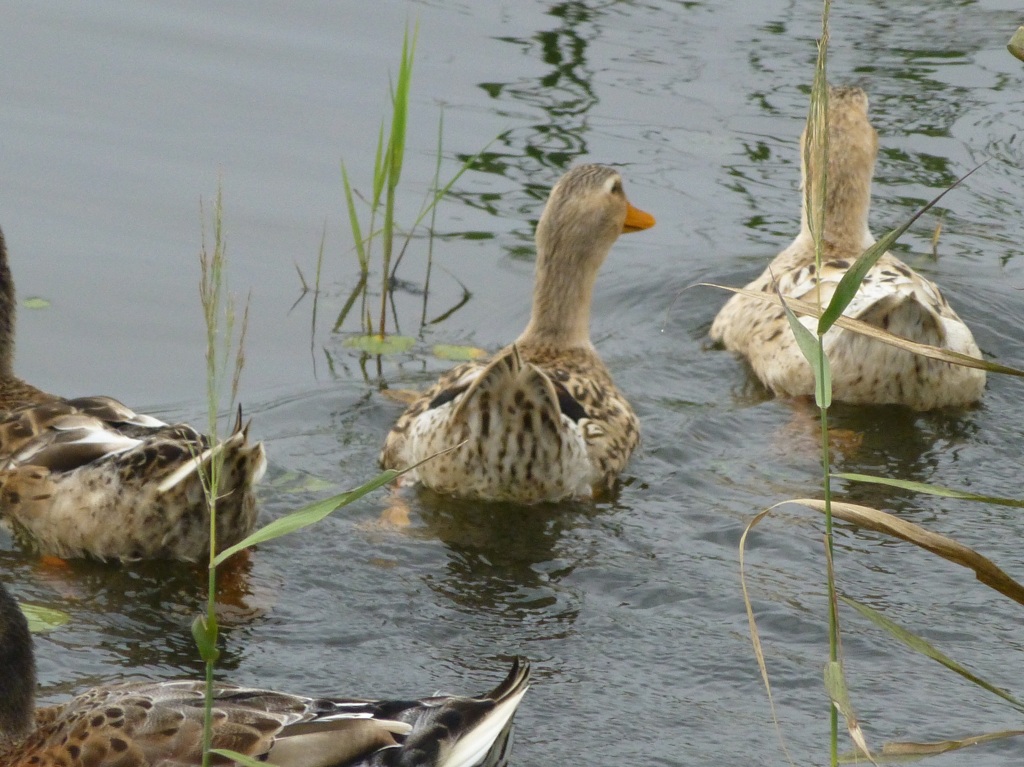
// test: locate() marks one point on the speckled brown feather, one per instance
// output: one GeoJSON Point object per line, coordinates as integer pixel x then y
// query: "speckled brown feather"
{"type": "Point", "coordinates": [892, 296]}
{"type": "Point", "coordinates": [159, 724]}
{"type": "Point", "coordinates": [90, 477]}
{"type": "Point", "coordinates": [542, 419]}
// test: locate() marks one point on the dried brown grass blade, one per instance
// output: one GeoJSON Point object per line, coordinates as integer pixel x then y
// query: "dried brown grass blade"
{"type": "Point", "coordinates": [908, 751]}
{"type": "Point", "coordinates": [985, 569]}
{"type": "Point", "coordinates": [755, 636]}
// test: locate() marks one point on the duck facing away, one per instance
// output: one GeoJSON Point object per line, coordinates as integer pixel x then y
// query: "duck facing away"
{"type": "Point", "coordinates": [90, 477]}
{"type": "Point", "coordinates": [892, 296]}
{"type": "Point", "coordinates": [542, 419]}
{"type": "Point", "coordinates": [151, 724]}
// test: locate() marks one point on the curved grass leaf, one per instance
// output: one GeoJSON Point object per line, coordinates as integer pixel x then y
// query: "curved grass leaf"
{"type": "Point", "coordinates": [307, 515]}
{"type": "Point", "coordinates": [835, 686]}
{"type": "Point", "coordinates": [850, 283]}
{"type": "Point", "coordinates": [921, 487]}
{"type": "Point", "coordinates": [985, 570]}
{"type": "Point", "coordinates": [36, 302]}
{"type": "Point", "coordinates": [42, 619]}
{"type": "Point", "coordinates": [919, 645]}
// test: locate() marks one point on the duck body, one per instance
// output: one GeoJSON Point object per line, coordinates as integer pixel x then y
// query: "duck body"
{"type": "Point", "coordinates": [531, 425]}
{"type": "Point", "coordinates": [542, 419]}
{"type": "Point", "coordinates": [892, 296]}
{"type": "Point", "coordinates": [159, 724]}
{"type": "Point", "coordinates": [91, 477]}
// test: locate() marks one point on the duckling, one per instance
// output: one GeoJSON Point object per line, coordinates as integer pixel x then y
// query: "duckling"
{"type": "Point", "coordinates": [893, 296]}
{"type": "Point", "coordinates": [146, 724]}
{"type": "Point", "coordinates": [541, 420]}
{"type": "Point", "coordinates": [91, 477]}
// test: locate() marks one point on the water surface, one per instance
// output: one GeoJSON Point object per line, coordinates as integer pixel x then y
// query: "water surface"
{"type": "Point", "coordinates": [117, 121]}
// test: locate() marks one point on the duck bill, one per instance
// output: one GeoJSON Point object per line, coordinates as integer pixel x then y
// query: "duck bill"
{"type": "Point", "coordinates": [636, 219]}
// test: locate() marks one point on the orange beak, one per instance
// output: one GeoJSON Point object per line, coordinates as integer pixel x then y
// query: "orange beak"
{"type": "Point", "coordinates": [636, 219]}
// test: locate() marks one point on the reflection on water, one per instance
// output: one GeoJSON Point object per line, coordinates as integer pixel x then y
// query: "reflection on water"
{"type": "Point", "coordinates": [505, 561]}
{"type": "Point", "coordinates": [562, 97]}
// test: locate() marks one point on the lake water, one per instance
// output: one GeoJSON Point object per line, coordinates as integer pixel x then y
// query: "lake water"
{"type": "Point", "coordinates": [117, 120]}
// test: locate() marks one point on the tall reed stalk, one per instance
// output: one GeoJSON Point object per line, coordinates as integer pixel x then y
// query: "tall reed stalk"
{"type": "Point", "coordinates": [219, 317]}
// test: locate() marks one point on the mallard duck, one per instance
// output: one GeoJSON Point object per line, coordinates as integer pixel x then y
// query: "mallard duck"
{"type": "Point", "coordinates": [893, 296]}
{"type": "Point", "coordinates": [90, 477]}
{"type": "Point", "coordinates": [146, 724]}
{"type": "Point", "coordinates": [541, 420]}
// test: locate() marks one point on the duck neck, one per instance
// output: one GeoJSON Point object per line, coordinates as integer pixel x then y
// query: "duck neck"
{"type": "Point", "coordinates": [17, 672]}
{"type": "Point", "coordinates": [561, 296]}
{"type": "Point", "coordinates": [848, 201]}
{"type": "Point", "coordinates": [8, 310]}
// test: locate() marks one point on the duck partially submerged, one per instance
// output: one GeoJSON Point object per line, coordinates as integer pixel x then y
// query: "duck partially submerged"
{"type": "Point", "coordinates": [91, 477]}
{"type": "Point", "coordinates": [157, 724]}
{"type": "Point", "coordinates": [542, 419]}
{"type": "Point", "coordinates": [892, 296]}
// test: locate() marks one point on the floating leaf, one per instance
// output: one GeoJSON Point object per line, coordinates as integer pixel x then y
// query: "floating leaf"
{"type": "Point", "coordinates": [378, 344]}
{"type": "Point", "coordinates": [457, 353]}
{"type": "Point", "coordinates": [42, 619]}
{"type": "Point", "coordinates": [36, 302]}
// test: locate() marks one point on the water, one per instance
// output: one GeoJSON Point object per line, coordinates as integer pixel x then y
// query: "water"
{"type": "Point", "coordinates": [117, 120]}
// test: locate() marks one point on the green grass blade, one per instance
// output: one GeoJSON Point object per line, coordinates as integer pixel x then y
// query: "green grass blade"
{"type": "Point", "coordinates": [919, 645]}
{"type": "Point", "coordinates": [307, 515]}
{"type": "Point", "coordinates": [379, 176]}
{"type": "Point", "coordinates": [811, 347]}
{"type": "Point", "coordinates": [400, 110]}
{"type": "Point", "coordinates": [353, 218]}
{"type": "Point", "coordinates": [850, 283]}
{"type": "Point", "coordinates": [248, 761]}
{"type": "Point", "coordinates": [921, 487]}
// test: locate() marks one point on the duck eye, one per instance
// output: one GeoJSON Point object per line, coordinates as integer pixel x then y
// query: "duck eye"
{"type": "Point", "coordinates": [617, 187]}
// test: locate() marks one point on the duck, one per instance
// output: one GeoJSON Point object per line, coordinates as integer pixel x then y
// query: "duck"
{"type": "Point", "coordinates": [90, 477]}
{"type": "Point", "coordinates": [146, 724]}
{"type": "Point", "coordinates": [541, 420]}
{"type": "Point", "coordinates": [893, 296]}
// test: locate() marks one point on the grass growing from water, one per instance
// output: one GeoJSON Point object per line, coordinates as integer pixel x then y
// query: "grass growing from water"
{"type": "Point", "coordinates": [381, 224]}
{"type": "Point", "coordinates": [219, 313]}
{"type": "Point", "coordinates": [816, 148]}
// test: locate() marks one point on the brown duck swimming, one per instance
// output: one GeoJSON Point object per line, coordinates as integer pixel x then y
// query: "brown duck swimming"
{"type": "Point", "coordinates": [90, 477]}
{"type": "Point", "coordinates": [892, 296]}
{"type": "Point", "coordinates": [159, 724]}
{"type": "Point", "coordinates": [542, 419]}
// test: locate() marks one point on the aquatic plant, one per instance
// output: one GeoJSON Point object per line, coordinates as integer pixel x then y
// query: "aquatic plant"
{"type": "Point", "coordinates": [811, 345]}
{"type": "Point", "coordinates": [382, 203]}
{"type": "Point", "coordinates": [219, 313]}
